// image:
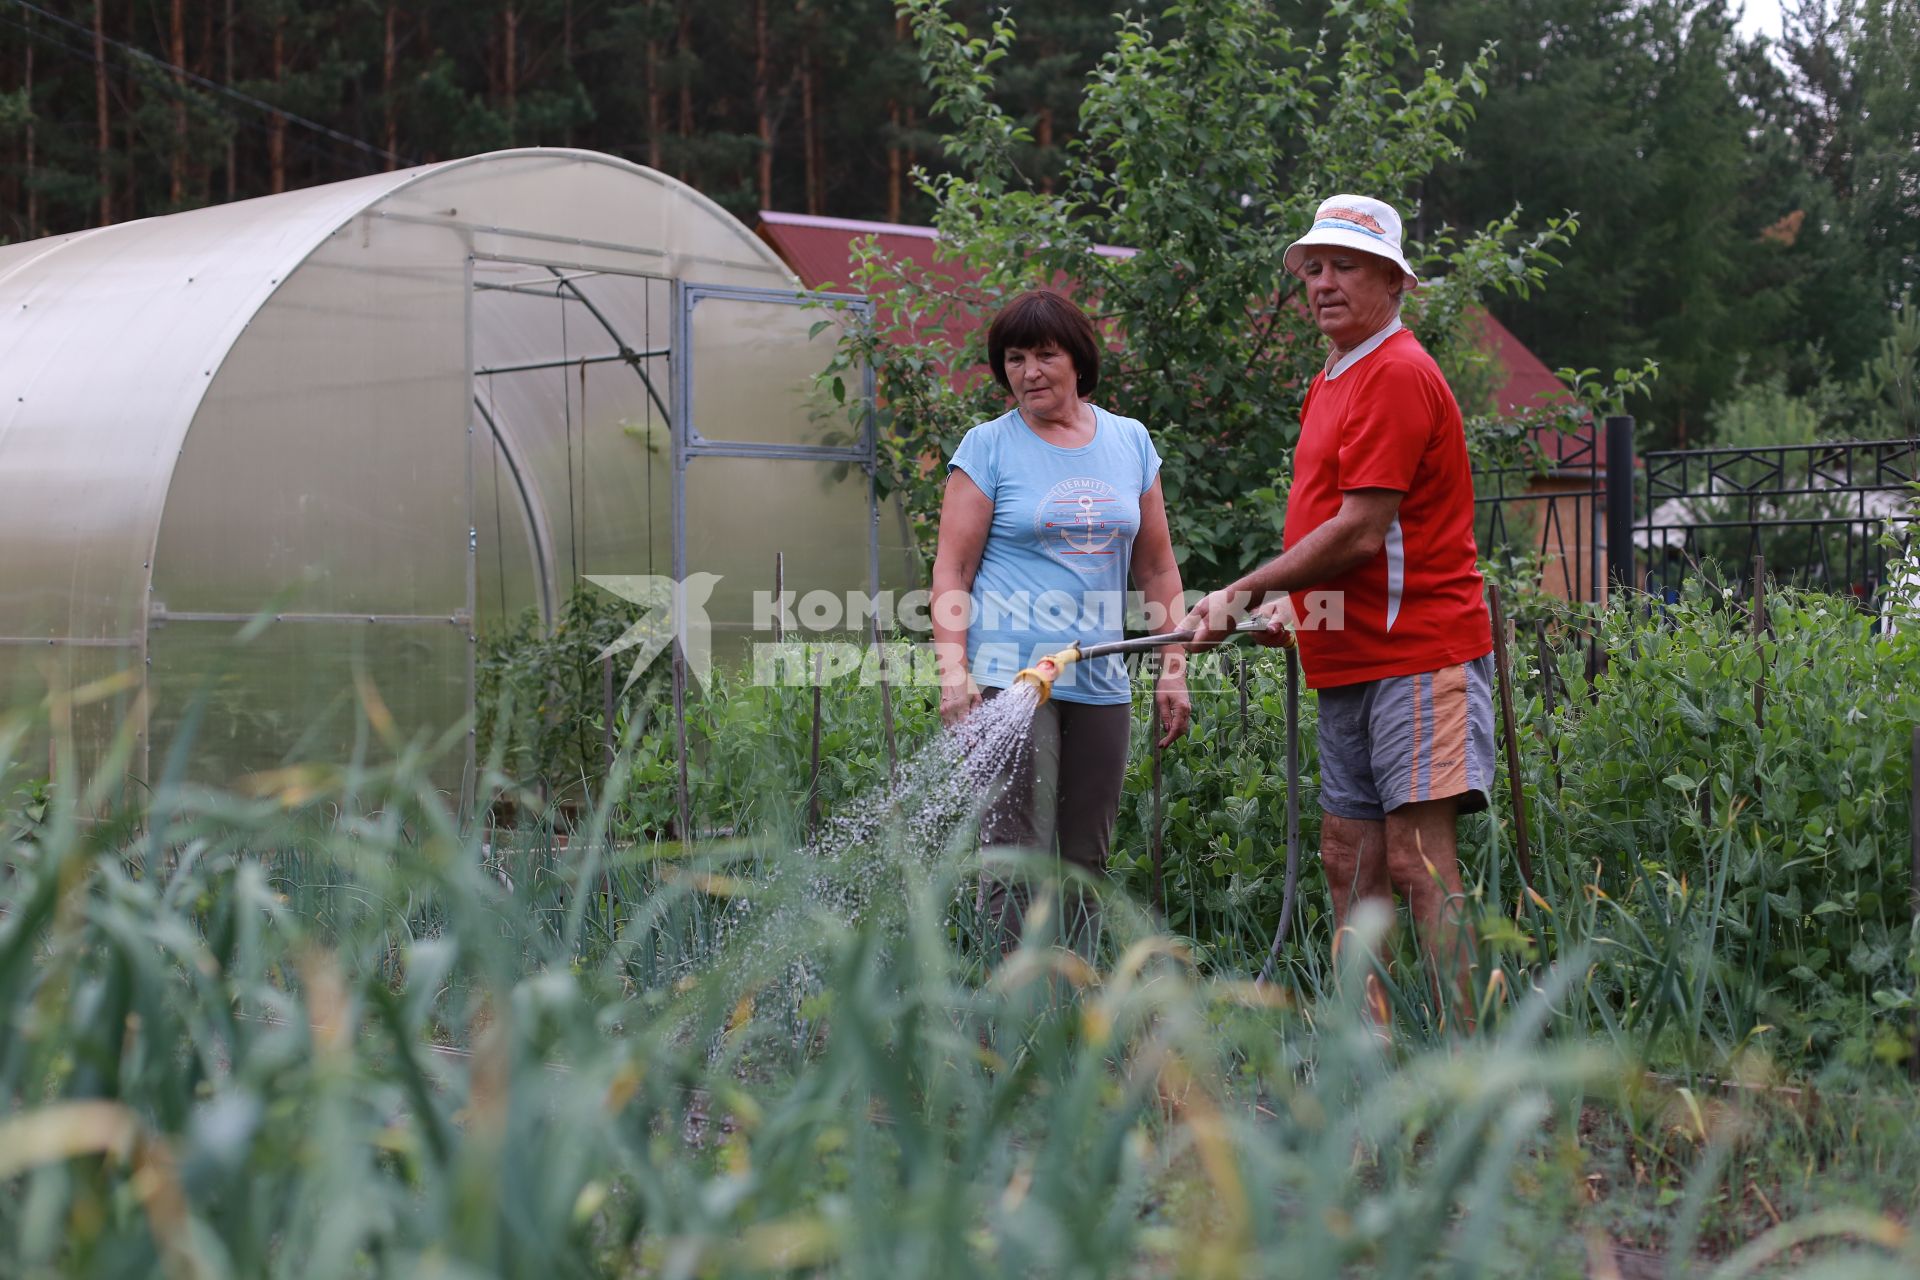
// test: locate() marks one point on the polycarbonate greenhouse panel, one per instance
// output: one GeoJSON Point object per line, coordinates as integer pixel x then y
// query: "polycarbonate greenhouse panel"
{"type": "Point", "coordinates": [563, 372]}
{"type": "Point", "coordinates": [326, 471]}
{"type": "Point", "coordinates": [506, 579]}
{"type": "Point", "coordinates": [742, 511]}
{"type": "Point", "coordinates": [298, 693]}
{"type": "Point", "coordinates": [756, 374]}
{"type": "Point", "coordinates": [101, 683]}
{"type": "Point", "coordinates": [107, 343]}
{"type": "Point", "coordinates": [578, 209]}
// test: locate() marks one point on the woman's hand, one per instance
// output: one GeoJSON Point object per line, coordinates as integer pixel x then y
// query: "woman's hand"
{"type": "Point", "coordinates": [1171, 698]}
{"type": "Point", "coordinates": [958, 696]}
{"type": "Point", "coordinates": [1280, 619]}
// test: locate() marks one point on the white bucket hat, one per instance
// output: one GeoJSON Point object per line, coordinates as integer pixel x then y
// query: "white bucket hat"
{"type": "Point", "coordinates": [1354, 222]}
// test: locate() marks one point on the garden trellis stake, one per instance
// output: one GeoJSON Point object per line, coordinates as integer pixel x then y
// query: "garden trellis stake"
{"type": "Point", "coordinates": [1503, 671]}
{"type": "Point", "coordinates": [1759, 641]}
{"type": "Point", "coordinates": [886, 701]}
{"type": "Point", "coordinates": [1242, 680]}
{"type": "Point", "coordinates": [1548, 669]}
{"type": "Point", "coordinates": [1153, 836]}
{"type": "Point", "coordinates": [606, 712]}
{"type": "Point", "coordinates": [813, 769]}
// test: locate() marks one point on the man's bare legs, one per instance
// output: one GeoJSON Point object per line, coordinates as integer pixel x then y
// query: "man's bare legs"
{"type": "Point", "coordinates": [1415, 852]}
{"type": "Point", "coordinates": [1354, 853]}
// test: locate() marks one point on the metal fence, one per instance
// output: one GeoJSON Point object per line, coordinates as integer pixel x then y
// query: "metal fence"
{"type": "Point", "coordinates": [1829, 515]}
{"type": "Point", "coordinates": [1819, 514]}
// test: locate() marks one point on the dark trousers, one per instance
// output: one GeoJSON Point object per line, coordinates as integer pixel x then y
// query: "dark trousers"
{"type": "Point", "coordinates": [1060, 796]}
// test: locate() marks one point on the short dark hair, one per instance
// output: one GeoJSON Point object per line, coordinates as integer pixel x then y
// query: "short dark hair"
{"type": "Point", "coordinates": [1045, 318]}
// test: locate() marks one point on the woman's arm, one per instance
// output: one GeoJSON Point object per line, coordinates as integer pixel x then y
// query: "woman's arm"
{"type": "Point", "coordinates": [965, 516]}
{"type": "Point", "coordinates": [1157, 575]}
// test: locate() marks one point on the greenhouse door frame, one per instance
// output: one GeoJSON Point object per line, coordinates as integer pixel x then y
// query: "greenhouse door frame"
{"type": "Point", "coordinates": [689, 444]}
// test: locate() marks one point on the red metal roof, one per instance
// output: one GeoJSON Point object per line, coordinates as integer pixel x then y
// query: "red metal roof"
{"type": "Point", "coordinates": [820, 250]}
{"type": "Point", "coordinates": [1529, 383]}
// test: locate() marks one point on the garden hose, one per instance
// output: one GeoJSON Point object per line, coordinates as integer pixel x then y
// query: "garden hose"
{"type": "Point", "coordinates": [1044, 672]}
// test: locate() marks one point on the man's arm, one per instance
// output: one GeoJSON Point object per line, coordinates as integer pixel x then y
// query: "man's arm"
{"type": "Point", "coordinates": [1353, 537]}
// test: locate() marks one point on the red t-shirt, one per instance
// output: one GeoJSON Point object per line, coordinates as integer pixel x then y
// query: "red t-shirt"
{"type": "Point", "coordinates": [1389, 421]}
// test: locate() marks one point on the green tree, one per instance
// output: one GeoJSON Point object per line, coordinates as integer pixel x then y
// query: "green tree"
{"type": "Point", "coordinates": [1855, 113]}
{"type": "Point", "coordinates": [1648, 120]}
{"type": "Point", "coordinates": [1208, 136]}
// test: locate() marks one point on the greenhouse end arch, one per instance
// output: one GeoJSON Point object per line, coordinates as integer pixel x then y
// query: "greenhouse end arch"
{"type": "Point", "coordinates": [259, 457]}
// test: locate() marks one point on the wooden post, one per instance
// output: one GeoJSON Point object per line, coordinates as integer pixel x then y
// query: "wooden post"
{"type": "Point", "coordinates": [1548, 670]}
{"type": "Point", "coordinates": [1242, 656]}
{"type": "Point", "coordinates": [1913, 887]}
{"type": "Point", "coordinates": [1153, 836]}
{"type": "Point", "coordinates": [1291, 884]}
{"type": "Point", "coordinates": [606, 712]}
{"type": "Point", "coordinates": [1759, 638]}
{"type": "Point", "coordinates": [779, 595]}
{"type": "Point", "coordinates": [886, 701]}
{"type": "Point", "coordinates": [813, 769]}
{"type": "Point", "coordinates": [1504, 673]}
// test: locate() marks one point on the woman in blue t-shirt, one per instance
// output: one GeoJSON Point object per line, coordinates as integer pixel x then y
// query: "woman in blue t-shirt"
{"type": "Point", "coordinates": [1050, 509]}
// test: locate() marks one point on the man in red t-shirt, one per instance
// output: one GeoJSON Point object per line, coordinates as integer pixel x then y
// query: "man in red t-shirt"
{"type": "Point", "coordinates": [1378, 585]}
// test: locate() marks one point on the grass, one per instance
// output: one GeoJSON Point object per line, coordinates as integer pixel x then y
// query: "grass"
{"type": "Point", "coordinates": [315, 1026]}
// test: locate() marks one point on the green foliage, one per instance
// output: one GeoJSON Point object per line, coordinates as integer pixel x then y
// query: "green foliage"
{"type": "Point", "coordinates": [1208, 136]}
{"type": "Point", "coordinates": [1779, 849]}
{"type": "Point", "coordinates": [321, 1031]}
{"type": "Point", "coordinates": [1882, 402]}
{"type": "Point", "coordinates": [1767, 862]}
{"type": "Point", "coordinates": [542, 693]}
{"type": "Point", "coordinates": [1736, 194]}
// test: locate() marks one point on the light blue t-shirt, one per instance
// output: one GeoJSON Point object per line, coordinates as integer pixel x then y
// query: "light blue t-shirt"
{"type": "Point", "coordinates": [1059, 553]}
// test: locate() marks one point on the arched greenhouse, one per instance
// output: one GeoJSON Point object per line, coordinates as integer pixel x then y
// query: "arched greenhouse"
{"type": "Point", "coordinates": [394, 412]}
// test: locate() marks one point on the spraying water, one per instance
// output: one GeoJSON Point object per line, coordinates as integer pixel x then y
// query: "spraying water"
{"type": "Point", "coordinates": [863, 861]}
{"type": "Point", "coordinates": [869, 854]}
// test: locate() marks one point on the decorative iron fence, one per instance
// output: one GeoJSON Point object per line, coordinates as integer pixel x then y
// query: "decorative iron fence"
{"type": "Point", "coordinates": [1819, 514]}
{"type": "Point", "coordinates": [1548, 519]}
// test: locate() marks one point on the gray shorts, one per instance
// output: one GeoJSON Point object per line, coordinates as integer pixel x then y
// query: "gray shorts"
{"type": "Point", "coordinates": [1385, 743]}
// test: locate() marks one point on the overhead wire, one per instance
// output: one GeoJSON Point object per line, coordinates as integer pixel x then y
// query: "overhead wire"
{"type": "Point", "coordinates": [212, 86]}
{"type": "Point", "coordinates": [197, 101]}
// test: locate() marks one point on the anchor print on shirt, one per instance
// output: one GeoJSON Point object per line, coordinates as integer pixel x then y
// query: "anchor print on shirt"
{"type": "Point", "coordinates": [1076, 521]}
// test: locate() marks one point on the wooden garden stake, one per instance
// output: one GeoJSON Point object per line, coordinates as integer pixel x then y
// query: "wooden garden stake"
{"type": "Point", "coordinates": [886, 701]}
{"type": "Point", "coordinates": [1153, 836]}
{"type": "Point", "coordinates": [606, 711]}
{"type": "Point", "coordinates": [1547, 672]}
{"type": "Point", "coordinates": [813, 770]}
{"type": "Point", "coordinates": [1242, 655]}
{"type": "Point", "coordinates": [1913, 838]}
{"type": "Point", "coordinates": [1504, 673]}
{"type": "Point", "coordinates": [1293, 791]}
{"type": "Point", "coordinates": [1759, 635]}
{"type": "Point", "coordinates": [779, 595]}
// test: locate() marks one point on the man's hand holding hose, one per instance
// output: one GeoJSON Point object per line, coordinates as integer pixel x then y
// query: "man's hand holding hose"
{"type": "Point", "coordinates": [1220, 614]}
